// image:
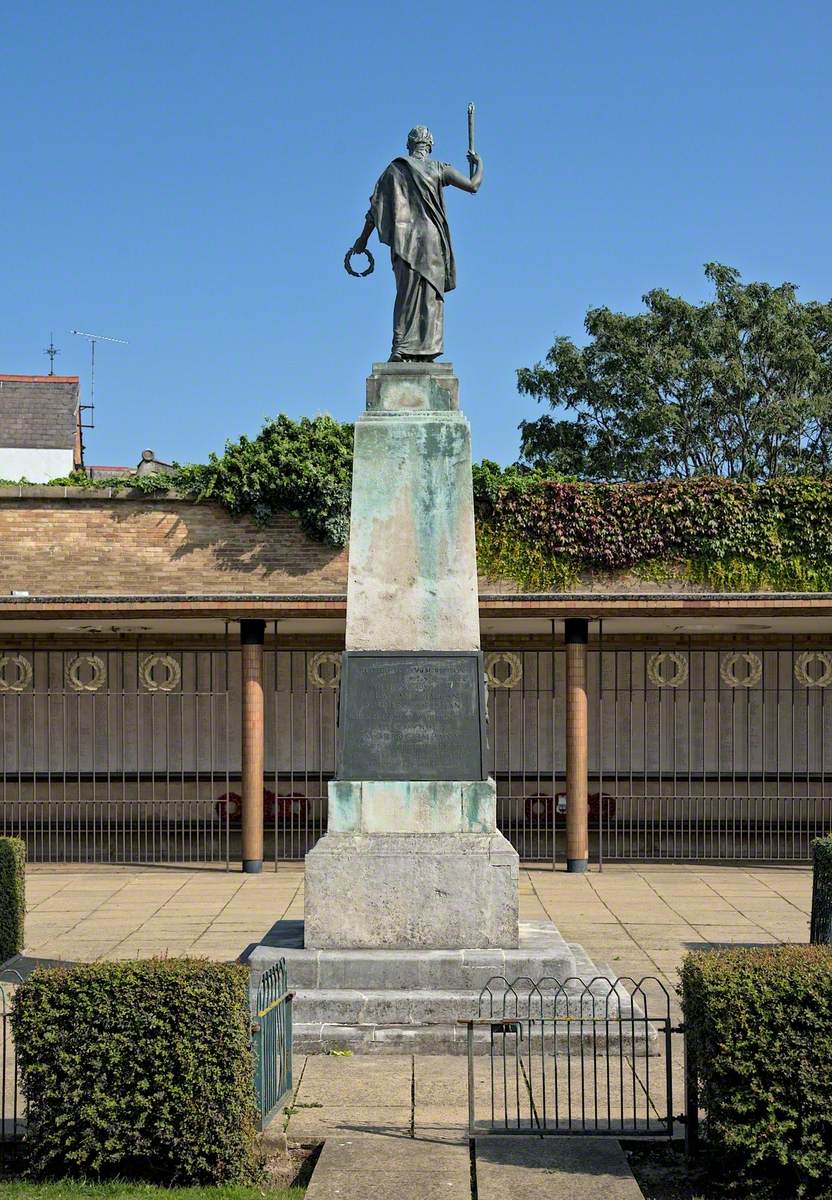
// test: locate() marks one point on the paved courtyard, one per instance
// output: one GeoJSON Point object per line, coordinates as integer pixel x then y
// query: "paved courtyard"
{"type": "Point", "coordinates": [401, 1119]}
{"type": "Point", "coordinates": [637, 919]}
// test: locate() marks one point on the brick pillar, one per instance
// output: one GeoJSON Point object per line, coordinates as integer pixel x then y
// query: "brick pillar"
{"type": "Point", "coordinates": [251, 641]}
{"type": "Point", "coordinates": [577, 758]}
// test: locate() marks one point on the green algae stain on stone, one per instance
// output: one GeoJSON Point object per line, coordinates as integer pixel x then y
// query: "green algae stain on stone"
{"type": "Point", "coordinates": [479, 807]}
{"type": "Point", "coordinates": [344, 806]}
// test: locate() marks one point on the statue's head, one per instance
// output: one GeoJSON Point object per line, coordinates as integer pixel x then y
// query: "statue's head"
{"type": "Point", "coordinates": [420, 141]}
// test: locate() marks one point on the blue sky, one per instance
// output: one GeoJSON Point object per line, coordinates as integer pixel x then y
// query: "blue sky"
{"type": "Point", "coordinates": [189, 175]}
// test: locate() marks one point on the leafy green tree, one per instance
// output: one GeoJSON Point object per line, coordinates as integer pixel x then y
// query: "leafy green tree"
{"type": "Point", "coordinates": [739, 386]}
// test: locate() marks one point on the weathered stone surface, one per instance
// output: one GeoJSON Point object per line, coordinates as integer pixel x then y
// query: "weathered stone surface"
{"type": "Point", "coordinates": [375, 806]}
{"type": "Point", "coordinates": [413, 571]}
{"type": "Point", "coordinates": [542, 953]}
{"type": "Point", "coordinates": [394, 387]}
{"type": "Point", "coordinates": [593, 1168]}
{"type": "Point", "coordinates": [390, 890]}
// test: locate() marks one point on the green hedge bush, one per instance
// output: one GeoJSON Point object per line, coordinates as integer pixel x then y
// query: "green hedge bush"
{"type": "Point", "coordinates": [12, 896]}
{"type": "Point", "coordinates": [139, 1070]}
{"type": "Point", "coordinates": [759, 1028]}
{"type": "Point", "coordinates": [820, 930]}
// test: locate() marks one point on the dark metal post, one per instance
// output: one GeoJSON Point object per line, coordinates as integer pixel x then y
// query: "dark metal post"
{"type": "Point", "coordinates": [577, 759]}
{"type": "Point", "coordinates": [471, 1098]}
{"type": "Point", "coordinates": [821, 926]}
{"type": "Point", "coordinates": [691, 1101]}
{"type": "Point", "coordinates": [252, 636]}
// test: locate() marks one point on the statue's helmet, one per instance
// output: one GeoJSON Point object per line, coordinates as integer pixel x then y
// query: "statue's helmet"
{"type": "Point", "coordinates": [419, 133]}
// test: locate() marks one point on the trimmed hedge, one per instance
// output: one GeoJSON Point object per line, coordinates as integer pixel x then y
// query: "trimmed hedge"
{"type": "Point", "coordinates": [759, 1029]}
{"type": "Point", "coordinates": [12, 896]}
{"type": "Point", "coordinates": [821, 924]}
{"type": "Point", "coordinates": [139, 1070]}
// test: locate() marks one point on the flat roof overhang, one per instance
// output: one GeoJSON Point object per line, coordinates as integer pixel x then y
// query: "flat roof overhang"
{"type": "Point", "coordinates": [556, 605]}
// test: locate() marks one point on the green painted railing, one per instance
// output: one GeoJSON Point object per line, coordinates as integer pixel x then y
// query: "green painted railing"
{"type": "Point", "coordinates": [272, 1041]}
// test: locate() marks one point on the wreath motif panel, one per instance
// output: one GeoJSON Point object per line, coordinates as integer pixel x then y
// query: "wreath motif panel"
{"type": "Point", "coordinates": [503, 658]}
{"type": "Point", "coordinates": [801, 671]}
{"type": "Point", "coordinates": [95, 664]}
{"type": "Point", "coordinates": [728, 669]}
{"type": "Point", "coordinates": [321, 659]}
{"type": "Point", "coordinates": [655, 669]}
{"type": "Point", "coordinates": [172, 669]}
{"type": "Point", "coordinates": [18, 678]}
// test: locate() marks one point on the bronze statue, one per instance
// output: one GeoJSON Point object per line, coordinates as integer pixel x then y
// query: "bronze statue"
{"type": "Point", "coordinates": [407, 208]}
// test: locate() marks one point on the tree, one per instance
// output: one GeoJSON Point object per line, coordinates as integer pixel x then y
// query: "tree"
{"type": "Point", "coordinates": [739, 386]}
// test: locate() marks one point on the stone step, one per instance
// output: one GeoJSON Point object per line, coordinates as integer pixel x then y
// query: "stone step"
{"type": "Point", "coordinates": [432, 1006]}
{"type": "Point", "coordinates": [542, 953]}
{"type": "Point", "coordinates": [312, 1037]}
{"type": "Point", "coordinates": [388, 1006]}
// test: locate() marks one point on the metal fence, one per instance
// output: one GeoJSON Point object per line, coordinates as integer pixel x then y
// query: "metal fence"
{"type": "Point", "coordinates": [12, 1103]}
{"type": "Point", "coordinates": [119, 755]}
{"type": "Point", "coordinates": [697, 752]}
{"type": "Point", "coordinates": [705, 753]}
{"type": "Point", "coordinates": [575, 1057]}
{"type": "Point", "coordinates": [271, 1032]}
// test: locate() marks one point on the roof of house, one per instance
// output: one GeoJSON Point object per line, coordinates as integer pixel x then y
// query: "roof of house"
{"type": "Point", "coordinates": [39, 411]}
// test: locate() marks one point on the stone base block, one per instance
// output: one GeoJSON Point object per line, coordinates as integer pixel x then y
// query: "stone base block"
{"type": "Point", "coordinates": [396, 891]}
{"type": "Point", "coordinates": [429, 806]}
{"type": "Point", "coordinates": [402, 1001]}
{"type": "Point", "coordinates": [541, 953]}
{"type": "Point", "coordinates": [417, 1001]}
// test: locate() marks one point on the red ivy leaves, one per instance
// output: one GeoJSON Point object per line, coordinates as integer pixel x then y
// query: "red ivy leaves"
{"type": "Point", "coordinates": [616, 526]}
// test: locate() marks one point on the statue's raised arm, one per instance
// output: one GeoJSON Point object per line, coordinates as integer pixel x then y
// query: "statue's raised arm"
{"type": "Point", "coordinates": [407, 209]}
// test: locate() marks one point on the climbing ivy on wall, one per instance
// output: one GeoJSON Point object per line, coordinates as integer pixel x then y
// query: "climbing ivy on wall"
{"type": "Point", "coordinates": [541, 531]}
{"type": "Point", "coordinates": [545, 532]}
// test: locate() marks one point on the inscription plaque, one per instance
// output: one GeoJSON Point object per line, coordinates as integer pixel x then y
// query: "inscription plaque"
{"type": "Point", "coordinates": [412, 716]}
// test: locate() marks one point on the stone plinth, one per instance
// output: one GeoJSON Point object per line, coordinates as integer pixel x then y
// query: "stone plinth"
{"type": "Point", "coordinates": [412, 582]}
{"type": "Point", "coordinates": [407, 386]}
{"type": "Point", "coordinates": [396, 890]}
{"type": "Point", "coordinates": [413, 858]}
{"type": "Point", "coordinates": [405, 1000]}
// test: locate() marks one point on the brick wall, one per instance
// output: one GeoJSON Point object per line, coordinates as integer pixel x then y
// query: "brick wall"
{"type": "Point", "coordinates": [59, 542]}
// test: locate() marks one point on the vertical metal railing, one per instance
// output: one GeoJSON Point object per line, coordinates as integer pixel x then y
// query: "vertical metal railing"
{"type": "Point", "coordinates": [271, 1032]}
{"type": "Point", "coordinates": [697, 751]}
{"type": "Point", "coordinates": [526, 747]}
{"type": "Point", "coordinates": [12, 1102]}
{"type": "Point", "coordinates": [711, 752]}
{"type": "Point", "coordinates": [301, 688]}
{"type": "Point", "coordinates": [577, 1057]}
{"type": "Point", "coordinates": [119, 755]}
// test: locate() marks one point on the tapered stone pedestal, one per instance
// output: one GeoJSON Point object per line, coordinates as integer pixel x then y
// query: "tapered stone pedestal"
{"type": "Point", "coordinates": [412, 857]}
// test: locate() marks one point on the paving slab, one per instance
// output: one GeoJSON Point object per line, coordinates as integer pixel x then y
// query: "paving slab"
{"type": "Point", "coordinates": [310, 1125]}
{"type": "Point", "coordinates": [357, 1081]}
{"type": "Point", "coordinates": [372, 1167]}
{"type": "Point", "coordinates": [551, 1168]}
{"type": "Point", "coordinates": [622, 916]}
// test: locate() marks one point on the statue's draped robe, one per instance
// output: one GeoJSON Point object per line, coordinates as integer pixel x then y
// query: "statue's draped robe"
{"type": "Point", "coordinates": [408, 209]}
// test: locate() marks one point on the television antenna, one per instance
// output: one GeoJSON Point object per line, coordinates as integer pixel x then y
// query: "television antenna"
{"type": "Point", "coordinates": [92, 338]}
{"type": "Point", "coordinates": [52, 350]}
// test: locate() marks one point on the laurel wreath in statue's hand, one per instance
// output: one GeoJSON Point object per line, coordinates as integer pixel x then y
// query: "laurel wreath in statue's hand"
{"type": "Point", "coordinates": [371, 262]}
